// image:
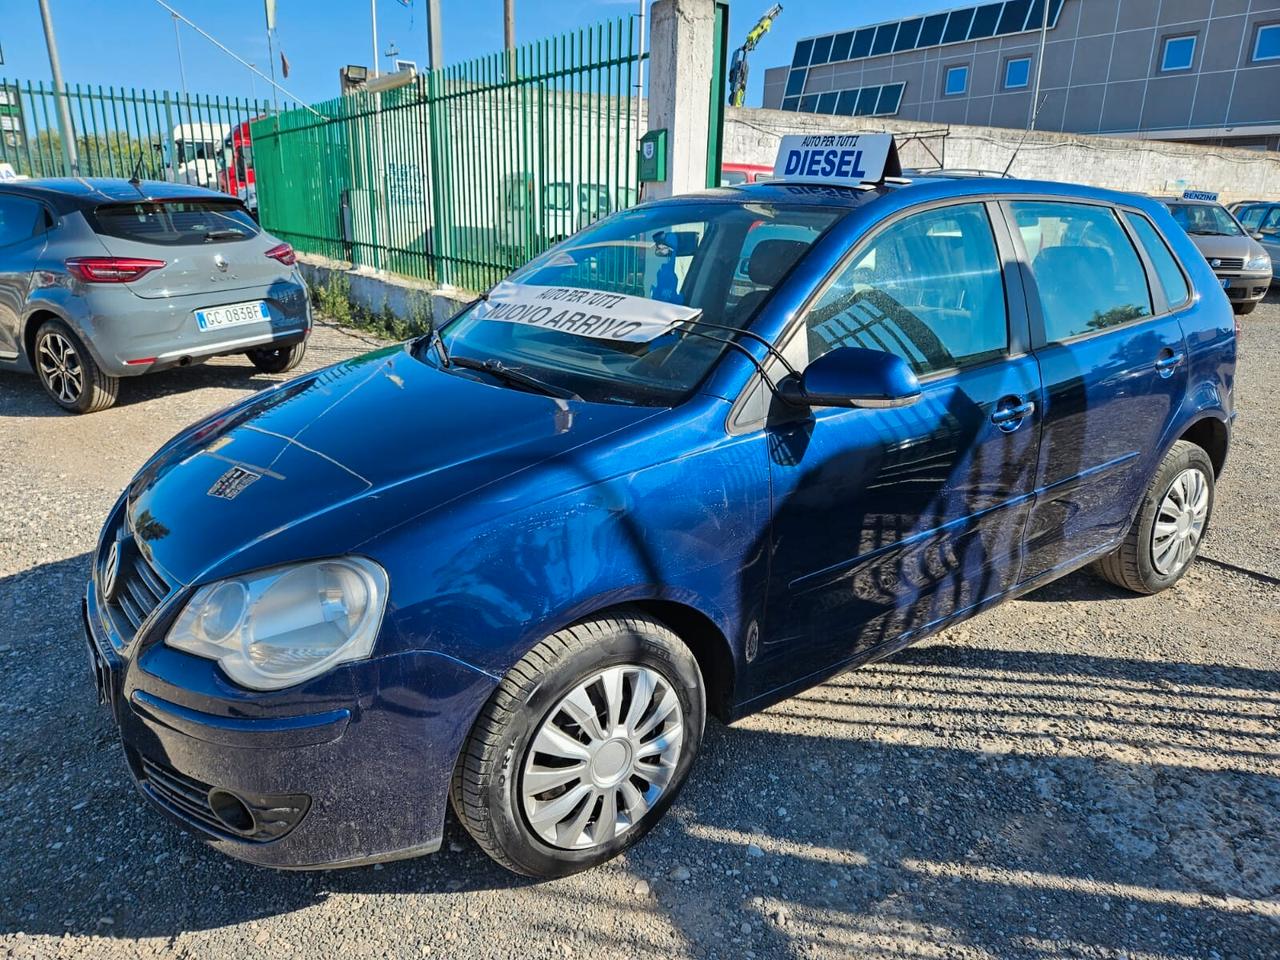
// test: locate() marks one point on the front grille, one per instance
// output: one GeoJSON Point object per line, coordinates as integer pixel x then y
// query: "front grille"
{"type": "Point", "coordinates": [188, 799]}
{"type": "Point", "coordinates": [1228, 263]}
{"type": "Point", "coordinates": [140, 588]}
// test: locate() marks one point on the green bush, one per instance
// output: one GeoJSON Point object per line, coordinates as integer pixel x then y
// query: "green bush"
{"type": "Point", "coordinates": [332, 300]}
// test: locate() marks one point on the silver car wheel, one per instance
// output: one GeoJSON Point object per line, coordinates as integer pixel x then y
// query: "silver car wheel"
{"type": "Point", "coordinates": [59, 367]}
{"type": "Point", "coordinates": [602, 757]}
{"type": "Point", "coordinates": [1180, 522]}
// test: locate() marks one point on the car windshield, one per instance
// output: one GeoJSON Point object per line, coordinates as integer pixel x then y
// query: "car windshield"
{"type": "Point", "coordinates": [663, 265]}
{"type": "Point", "coordinates": [1204, 220]}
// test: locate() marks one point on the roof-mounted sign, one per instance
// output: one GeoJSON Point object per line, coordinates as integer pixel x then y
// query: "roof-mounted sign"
{"type": "Point", "coordinates": [1210, 195]}
{"type": "Point", "coordinates": [837, 159]}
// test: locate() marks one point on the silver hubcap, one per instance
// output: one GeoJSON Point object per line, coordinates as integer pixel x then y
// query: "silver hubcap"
{"type": "Point", "coordinates": [60, 367]}
{"type": "Point", "coordinates": [602, 757]}
{"type": "Point", "coordinates": [1180, 522]}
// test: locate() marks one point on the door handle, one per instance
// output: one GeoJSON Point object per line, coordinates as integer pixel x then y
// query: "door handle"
{"type": "Point", "coordinates": [1168, 362]}
{"type": "Point", "coordinates": [1009, 417]}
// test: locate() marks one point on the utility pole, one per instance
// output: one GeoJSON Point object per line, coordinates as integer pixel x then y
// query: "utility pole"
{"type": "Point", "coordinates": [509, 24]}
{"type": "Point", "coordinates": [182, 70]}
{"type": "Point", "coordinates": [1035, 96]}
{"type": "Point", "coordinates": [435, 39]}
{"type": "Point", "coordinates": [65, 130]}
{"type": "Point", "coordinates": [373, 14]}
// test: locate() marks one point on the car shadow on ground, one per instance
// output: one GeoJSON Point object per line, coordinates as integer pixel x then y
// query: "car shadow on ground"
{"type": "Point", "coordinates": [1074, 821]}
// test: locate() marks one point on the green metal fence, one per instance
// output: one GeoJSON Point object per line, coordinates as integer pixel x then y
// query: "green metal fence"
{"type": "Point", "coordinates": [467, 172]}
{"type": "Point", "coordinates": [176, 136]}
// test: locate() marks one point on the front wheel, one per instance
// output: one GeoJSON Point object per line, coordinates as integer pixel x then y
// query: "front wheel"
{"type": "Point", "coordinates": [582, 747]}
{"type": "Point", "coordinates": [278, 359]}
{"type": "Point", "coordinates": [1170, 526]}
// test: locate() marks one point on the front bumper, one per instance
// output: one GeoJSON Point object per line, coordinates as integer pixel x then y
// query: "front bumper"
{"type": "Point", "coordinates": [356, 779]}
{"type": "Point", "coordinates": [1245, 287]}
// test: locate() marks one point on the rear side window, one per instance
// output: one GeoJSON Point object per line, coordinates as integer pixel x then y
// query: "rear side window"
{"type": "Point", "coordinates": [1172, 281]}
{"type": "Point", "coordinates": [20, 219]}
{"type": "Point", "coordinates": [176, 222]}
{"type": "Point", "coordinates": [928, 289]}
{"type": "Point", "coordinates": [1087, 272]}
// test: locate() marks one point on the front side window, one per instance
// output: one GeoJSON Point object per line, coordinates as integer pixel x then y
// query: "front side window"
{"type": "Point", "coordinates": [1251, 217]}
{"type": "Point", "coordinates": [1174, 284]}
{"type": "Point", "coordinates": [957, 81]}
{"type": "Point", "coordinates": [1178, 53]}
{"type": "Point", "coordinates": [721, 259]}
{"type": "Point", "coordinates": [1088, 274]}
{"type": "Point", "coordinates": [1017, 73]}
{"type": "Point", "coordinates": [1204, 220]}
{"type": "Point", "coordinates": [928, 289]}
{"type": "Point", "coordinates": [1266, 43]}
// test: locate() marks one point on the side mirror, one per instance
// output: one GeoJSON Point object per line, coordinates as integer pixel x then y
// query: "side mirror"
{"type": "Point", "coordinates": [854, 377]}
{"type": "Point", "coordinates": [1258, 235]}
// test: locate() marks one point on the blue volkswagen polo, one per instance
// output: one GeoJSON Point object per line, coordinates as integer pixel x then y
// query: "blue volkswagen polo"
{"type": "Point", "coordinates": [704, 454]}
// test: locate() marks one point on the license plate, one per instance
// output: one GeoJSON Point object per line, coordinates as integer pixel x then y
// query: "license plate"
{"type": "Point", "coordinates": [233, 314]}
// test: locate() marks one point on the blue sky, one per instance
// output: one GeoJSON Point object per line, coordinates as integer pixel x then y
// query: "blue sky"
{"type": "Point", "coordinates": [131, 42]}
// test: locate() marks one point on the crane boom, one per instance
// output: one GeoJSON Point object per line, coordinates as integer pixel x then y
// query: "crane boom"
{"type": "Point", "coordinates": [738, 65]}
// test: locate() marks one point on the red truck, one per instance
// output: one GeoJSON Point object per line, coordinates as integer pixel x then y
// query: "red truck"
{"type": "Point", "coordinates": [236, 176]}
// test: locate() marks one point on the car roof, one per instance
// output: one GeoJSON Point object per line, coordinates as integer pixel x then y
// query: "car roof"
{"type": "Point", "coordinates": [65, 194]}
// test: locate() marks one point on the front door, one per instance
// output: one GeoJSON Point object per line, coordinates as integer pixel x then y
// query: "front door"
{"type": "Point", "coordinates": [1113, 362]}
{"type": "Point", "coordinates": [886, 522]}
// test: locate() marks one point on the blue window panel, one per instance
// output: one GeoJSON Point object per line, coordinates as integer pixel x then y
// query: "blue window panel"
{"type": "Point", "coordinates": [804, 50]}
{"type": "Point", "coordinates": [1266, 45]}
{"type": "Point", "coordinates": [840, 47]}
{"type": "Point", "coordinates": [1036, 17]}
{"type": "Point", "coordinates": [908, 33]}
{"type": "Point", "coordinates": [1055, 8]}
{"type": "Point", "coordinates": [931, 32]}
{"type": "Point", "coordinates": [957, 26]}
{"type": "Point", "coordinates": [867, 98]}
{"type": "Point", "coordinates": [890, 99]}
{"type": "Point", "coordinates": [821, 50]}
{"type": "Point", "coordinates": [884, 39]}
{"type": "Point", "coordinates": [1017, 73]}
{"type": "Point", "coordinates": [862, 41]}
{"type": "Point", "coordinates": [1014, 18]}
{"type": "Point", "coordinates": [957, 81]}
{"type": "Point", "coordinates": [795, 83]}
{"type": "Point", "coordinates": [791, 103]}
{"type": "Point", "coordinates": [809, 104]}
{"type": "Point", "coordinates": [984, 21]}
{"type": "Point", "coordinates": [827, 102]}
{"type": "Point", "coordinates": [848, 101]}
{"type": "Point", "coordinates": [1179, 53]}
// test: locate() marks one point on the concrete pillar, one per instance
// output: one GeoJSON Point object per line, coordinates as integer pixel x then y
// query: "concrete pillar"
{"type": "Point", "coordinates": [680, 45]}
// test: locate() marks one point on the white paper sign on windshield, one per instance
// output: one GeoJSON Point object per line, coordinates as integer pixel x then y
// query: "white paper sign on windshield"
{"type": "Point", "coordinates": [583, 312]}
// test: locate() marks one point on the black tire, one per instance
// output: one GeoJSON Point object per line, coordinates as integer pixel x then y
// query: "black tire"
{"type": "Point", "coordinates": [1132, 565]}
{"type": "Point", "coordinates": [1244, 309]}
{"type": "Point", "coordinates": [488, 778]}
{"type": "Point", "coordinates": [278, 359]}
{"type": "Point", "coordinates": [68, 372]}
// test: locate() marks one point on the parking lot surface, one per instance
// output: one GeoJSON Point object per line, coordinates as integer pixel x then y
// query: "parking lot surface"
{"type": "Point", "coordinates": [1080, 772]}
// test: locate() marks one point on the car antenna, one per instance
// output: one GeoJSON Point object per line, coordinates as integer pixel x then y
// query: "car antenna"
{"type": "Point", "coordinates": [1025, 134]}
{"type": "Point", "coordinates": [136, 178]}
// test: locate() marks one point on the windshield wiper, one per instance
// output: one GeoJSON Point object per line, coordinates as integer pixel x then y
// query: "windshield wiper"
{"type": "Point", "coordinates": [513, 375]}
{"type": "Point", "coordinates": [227, 233]}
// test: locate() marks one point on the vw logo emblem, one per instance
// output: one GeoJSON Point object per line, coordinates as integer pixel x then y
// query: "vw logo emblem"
{"type": "Point", "coordinates": [220, 262]}
{"type": "Point", "coordinates": [111, 572]}
{"type": "Point", "coordinates": [1215, 263]}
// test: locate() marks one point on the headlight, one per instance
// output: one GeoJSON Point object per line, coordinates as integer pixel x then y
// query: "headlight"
{"type": "Point", "coordinates": [278, 627]}
{"type": "Point", "coordinates": [1261, 262]}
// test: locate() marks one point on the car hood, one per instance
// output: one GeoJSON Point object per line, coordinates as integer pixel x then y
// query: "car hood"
{"type": "Point", "coordinates": [1239, 248]}
{"type": "Point", "coordinates": [376, 440]}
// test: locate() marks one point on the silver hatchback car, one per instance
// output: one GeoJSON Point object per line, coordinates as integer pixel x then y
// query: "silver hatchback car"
{"type": "Point", "coordinates": [102, 279]}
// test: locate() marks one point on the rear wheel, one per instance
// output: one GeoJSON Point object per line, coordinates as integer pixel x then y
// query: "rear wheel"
{"type": "Point", "coordinates": [68, 373]}
{"type": "Point", "coordinates": [278, 359]}
{"type": "Point", "coordinates": [1243, 309]}
{"type": "Point", "coordinates": [582, 747]}
{"type": "Point", "coordinates": [1171, 523]}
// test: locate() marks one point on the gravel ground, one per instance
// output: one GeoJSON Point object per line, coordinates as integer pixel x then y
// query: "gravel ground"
{"type": "Point", "coordinates": [1079, 772]}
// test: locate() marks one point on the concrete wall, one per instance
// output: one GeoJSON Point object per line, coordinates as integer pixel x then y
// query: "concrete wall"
{"type": "Point", "coordinates": [1144, 166]}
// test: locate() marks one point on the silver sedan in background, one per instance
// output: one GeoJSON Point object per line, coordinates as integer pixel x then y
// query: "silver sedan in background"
{"type": "Point", "coordinates": [102, 279]}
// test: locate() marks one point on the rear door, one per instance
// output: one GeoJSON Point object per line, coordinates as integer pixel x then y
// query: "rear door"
{"type": "Point", "coordinates": [887, 522]}
{"type": "Point", "coordinates": [23, 234]}
{"type": "Point", "coordinates": [1114, 365]}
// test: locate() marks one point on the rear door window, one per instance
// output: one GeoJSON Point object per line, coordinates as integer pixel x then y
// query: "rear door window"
{"type": "Point", "coordinates": [1088, 274]}
{"type": "Point", "coordinates": [928, 289]}
{"type": "Point", "coordinates": [20, 219]}
{"type": "Point", "coordinates": [176, 222]}
{"type": "Point", "coordinates": [1176, 291]}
